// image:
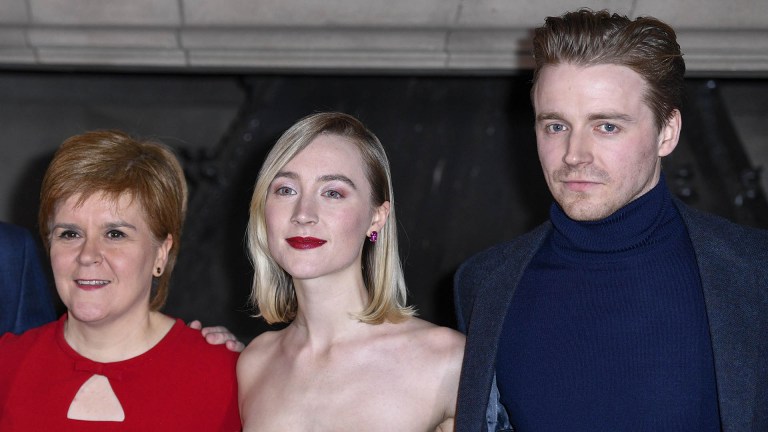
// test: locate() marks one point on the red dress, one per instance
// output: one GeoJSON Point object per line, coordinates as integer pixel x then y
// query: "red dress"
{"type": "Point", "coordinates": [181, 384]}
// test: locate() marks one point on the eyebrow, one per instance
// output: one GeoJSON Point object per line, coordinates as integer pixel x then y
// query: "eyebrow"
{"type": "Point", "coordinates": [286, 174]}
{"type": "Point", "coordinates": [108, 226]}
{"type": "Point", "coordinates": [65, 226]}
{"type": "Point", "coordinates": [338, 177]}
{"type": "Point", "coordinates": [120, 224]}
{"type": "Point", "coordinates": [610, 115]}
{"type": "Point", "coordinates": [549, 116]}
{"type": "Point", "coordinates": [324, 178]}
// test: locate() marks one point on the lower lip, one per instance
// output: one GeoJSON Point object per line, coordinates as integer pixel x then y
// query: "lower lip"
{"type": "Point", "coordinates": [90, 287]}
{"type": "Point", "coordinates": [305, 244]}
{"type": "Point", "coordinates": [579, 186]}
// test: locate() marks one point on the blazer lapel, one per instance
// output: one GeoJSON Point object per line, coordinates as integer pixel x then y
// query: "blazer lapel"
{"type": "Point", "coordinates": [488, 313]}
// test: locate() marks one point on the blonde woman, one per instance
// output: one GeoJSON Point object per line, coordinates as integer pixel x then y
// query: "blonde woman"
{"type": "Point", "coordinates": [323, 241]}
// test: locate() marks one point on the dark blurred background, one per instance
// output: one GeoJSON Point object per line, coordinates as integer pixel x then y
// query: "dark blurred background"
{"type": "Point", "coordinates": [462, 150]}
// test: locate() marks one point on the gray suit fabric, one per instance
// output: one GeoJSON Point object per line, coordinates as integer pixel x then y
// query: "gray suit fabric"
{"type": "Point", "coordinates": [733, 266]}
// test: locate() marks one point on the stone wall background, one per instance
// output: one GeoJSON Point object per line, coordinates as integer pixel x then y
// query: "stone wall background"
{"type": "Point", "coordinates": [415, 35]}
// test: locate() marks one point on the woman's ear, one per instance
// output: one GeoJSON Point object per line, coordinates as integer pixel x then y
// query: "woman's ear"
{"type": "Point", "coordinates": [162, 253]}
{"type": "Point", "coordinates": [380, 215]}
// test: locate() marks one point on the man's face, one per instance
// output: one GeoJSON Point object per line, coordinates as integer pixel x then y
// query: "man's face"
{"type": "Point", "coordinates": [597, 141]}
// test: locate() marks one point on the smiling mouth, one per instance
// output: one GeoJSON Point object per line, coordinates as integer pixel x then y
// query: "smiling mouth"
{"type": "Point", "coordinates": [305, 242]}
{"type": "Point", "coordinates": [91, 284]}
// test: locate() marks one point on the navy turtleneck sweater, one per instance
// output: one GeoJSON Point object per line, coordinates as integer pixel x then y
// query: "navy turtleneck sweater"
{"type": "Point", "coordinates": [607, 330]}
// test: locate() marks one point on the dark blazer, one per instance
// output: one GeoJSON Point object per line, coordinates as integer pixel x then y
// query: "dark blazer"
{"type": "Point", "coordinates": [733, 265]}
{"type": "Point", "coordinates": [25, 301]}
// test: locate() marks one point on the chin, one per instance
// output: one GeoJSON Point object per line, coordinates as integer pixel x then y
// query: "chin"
{"type": "Point", "coordinates": [87, 313]}
{"type": "Point", "coordinates": [303, 273]}
{"type": "Point", "coordinates": [585, 208]}
{"type": "Point", "coordinates": [584, 213]}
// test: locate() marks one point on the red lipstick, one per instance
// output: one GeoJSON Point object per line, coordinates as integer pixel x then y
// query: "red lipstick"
{"type": "Point", "coordinates": [305, 242]}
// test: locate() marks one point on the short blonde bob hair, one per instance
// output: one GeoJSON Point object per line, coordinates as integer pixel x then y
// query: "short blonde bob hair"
{"type": "Point", "coordinates": [273, 292]}
{"type": "Point", "coordinates": [113, 163]}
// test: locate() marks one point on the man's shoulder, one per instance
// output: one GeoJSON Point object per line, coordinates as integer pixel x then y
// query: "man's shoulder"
{"type": "Point", "coordinates": [11, 231]}
{"type": "Point", "coordinates": [11, 235]}
{"type": "Point", "coordinates": [494, 268]}
{"type": "Point", "coordinates": [705, 226]}
{"type": "Point", "coordinates": [485, 261]}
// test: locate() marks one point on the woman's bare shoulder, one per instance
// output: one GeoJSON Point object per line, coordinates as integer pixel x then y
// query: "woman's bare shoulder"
{"type": "Point", "coordinates": [261, 348]}
{"type": "Point", "coordinates": [425, 329]}
{"type": "Point", "coordinates": [434, 355]}
{"type": "Point", "coordinates": [431, 338]}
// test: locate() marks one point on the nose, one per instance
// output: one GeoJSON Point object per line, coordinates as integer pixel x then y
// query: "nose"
{"type": "Point", "coordinates": [90, 252]}
{"type": "Point", "coordinates": [304, 210]}
{"type": "Point", "coordinates": [578, 150]}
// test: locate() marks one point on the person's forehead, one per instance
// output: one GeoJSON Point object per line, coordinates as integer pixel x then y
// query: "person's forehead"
{"type": "Point", "coordinates": [603, 84]}
{"type": "Point", "coordinates": [327, 154]}
{"type": "Point", "coordinates": [589, 72]}
{"type": "Point", "coordinates": [116, 203]}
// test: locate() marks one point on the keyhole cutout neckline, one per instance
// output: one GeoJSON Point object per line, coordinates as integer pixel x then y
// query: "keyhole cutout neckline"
{"type": "Point", "coordinates": [96, 401]}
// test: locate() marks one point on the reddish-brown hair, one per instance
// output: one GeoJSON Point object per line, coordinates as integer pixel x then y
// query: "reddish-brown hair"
{"type": "Point", "coordinates": [113, 163]}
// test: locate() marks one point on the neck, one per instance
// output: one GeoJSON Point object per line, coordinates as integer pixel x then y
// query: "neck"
{"type": "Point", "coordinates": [116, 340]}
{"type": "Point", "coordinates": [327, 309]}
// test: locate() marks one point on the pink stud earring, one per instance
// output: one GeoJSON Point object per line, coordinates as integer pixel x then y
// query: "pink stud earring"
{"type": "Point", "coordinates": [374, 236]}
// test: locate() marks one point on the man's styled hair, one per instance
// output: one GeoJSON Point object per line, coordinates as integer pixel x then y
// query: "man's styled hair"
{"type": "Point", "coordinates": [646, 45]}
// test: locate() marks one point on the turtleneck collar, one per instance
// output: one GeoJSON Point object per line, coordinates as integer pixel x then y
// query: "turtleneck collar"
{"type": "Point", "coordinates": [642, 222]}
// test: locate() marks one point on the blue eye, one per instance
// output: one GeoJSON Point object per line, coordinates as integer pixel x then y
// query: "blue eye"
{"type": "Point", "coordinates": [608, 127]}
{"type": "Point", "coordinates": [285, 190]}
{"type": "Point", "coordinates": [555, 127]}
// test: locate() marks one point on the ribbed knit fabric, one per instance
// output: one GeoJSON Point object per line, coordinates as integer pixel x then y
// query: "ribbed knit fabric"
{"type": "Point", "coordinates": [607, 330]}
